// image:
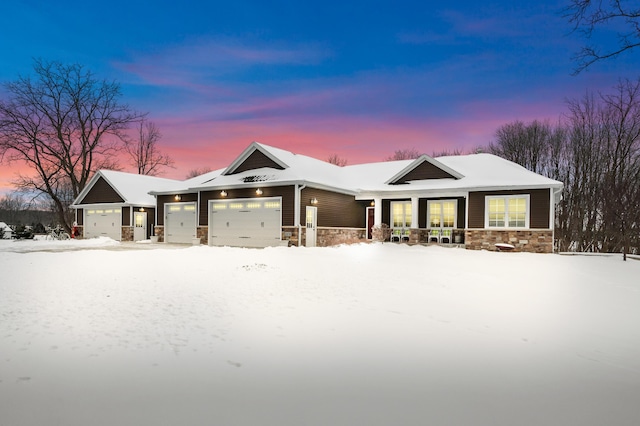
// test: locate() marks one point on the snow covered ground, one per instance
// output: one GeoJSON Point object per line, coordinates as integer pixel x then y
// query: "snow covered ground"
{"type": "Point", "coordinates": [96, 332]}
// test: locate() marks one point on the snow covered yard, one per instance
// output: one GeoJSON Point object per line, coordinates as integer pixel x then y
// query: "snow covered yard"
{"type": "Point", "coordinates": [379, 334]}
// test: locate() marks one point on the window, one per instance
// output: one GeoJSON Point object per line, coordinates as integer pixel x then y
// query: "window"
{"type": "Point", "coordinates": [441, 214]}
{"type": "Point", "coordinates": [507, 211]}
{"type": "Point", "coordinates": [401, 214]}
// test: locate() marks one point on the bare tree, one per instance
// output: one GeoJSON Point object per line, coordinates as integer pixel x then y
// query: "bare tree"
{"type": "Point", "coordinates": [335, 159]}
{"type": "Point", "coordinates": [447, 152]}
{"type": "Point", "coordinates": [525, 144]}
{"type": "Point", "coordinates": [197, 172]}
{"type": "Point", "coordinates": [589, 16]}
{"type": "Point", "coordinates": [64, 124]}
{"type": "Point", "coordinates": [404, 154]}
{"type": "Point", "coordinates": [595, 152]}
{"type": "Point", "coordinates": [144, 152]}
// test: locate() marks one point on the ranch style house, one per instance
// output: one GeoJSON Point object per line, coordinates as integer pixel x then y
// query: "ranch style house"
{"type": "Point", "coordinates": [269, 197]}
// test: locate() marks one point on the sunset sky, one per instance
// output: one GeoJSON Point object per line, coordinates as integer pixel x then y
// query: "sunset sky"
{"type": "Point", "coordinates": [353, 78]}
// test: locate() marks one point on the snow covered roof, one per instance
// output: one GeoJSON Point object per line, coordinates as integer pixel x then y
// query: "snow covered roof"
{"type": "Point", "coordinates": [474, 172]}
{"type": "Point", "coordinates": [468, 172]}
{"type": "Point", "coordinates": [132, 188]}
{"type": "Point", "coordinates": [277, 167]}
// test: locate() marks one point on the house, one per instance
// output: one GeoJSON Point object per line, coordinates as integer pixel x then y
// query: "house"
{"type": "Point", "coordinates": [268, 196]}
{"type": "Point", "coordinates": [5, 231]}
{"type": "Point", "coordinates": [118, 205]}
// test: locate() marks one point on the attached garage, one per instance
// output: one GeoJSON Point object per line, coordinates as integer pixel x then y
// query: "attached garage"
{"type": "Point", "coordinates": [103, 222]}
{"type": "Point", "coordinates": [180, 222]}
{"type": "Point", "coordinates": [250, 222]}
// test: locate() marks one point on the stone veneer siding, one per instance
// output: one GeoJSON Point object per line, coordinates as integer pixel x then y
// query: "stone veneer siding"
{"type": "Point", "coordinates": [159, 232]}
{"type": "Point", "coordinates": [327, 237]}
{"type": "Point", "coordinates": [127, 233]}
{"type": "Point", "coordinates": [202, 232]}
{"type": "Point", "coordinates": [531, 240]}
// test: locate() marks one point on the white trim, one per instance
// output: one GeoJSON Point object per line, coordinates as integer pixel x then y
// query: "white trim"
{"type": "Point", "coordinates": [255, 146]}
{"type": "Point", "coordinates": [441, 201]}
{"type": "Point", "coordinates": [420, 160]}
{"type": "Point", "coordinates": [404, 214]}
{"type": "Point", "coordinates": [527, 215]}
{"type": "Point", "coordinates": [366, 221]}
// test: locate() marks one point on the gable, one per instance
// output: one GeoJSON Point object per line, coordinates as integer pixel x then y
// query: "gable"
{"type": "Point", "coordinates": [101, 192]}
{"type": "Point", "coordinates": [423, 171]}
{"type": "Point", "coordinates": [256, 160]}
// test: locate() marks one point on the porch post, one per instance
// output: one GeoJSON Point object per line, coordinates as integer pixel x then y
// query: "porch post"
{"type": "Point", "coordinates": [377, 211]}
{"type": "Point", "coordinates": [414, 212]}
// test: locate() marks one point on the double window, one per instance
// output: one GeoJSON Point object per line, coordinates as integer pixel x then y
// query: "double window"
{"type": "Point", "coordinates": [510, 211]}
{"type": "Point", "coordinates": [401, 214]}
{"type": "Point", "coordinates": [441, 214]}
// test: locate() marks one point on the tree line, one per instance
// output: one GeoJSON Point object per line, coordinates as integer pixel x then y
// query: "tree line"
{"type": "Point", "coordinates": [594, 149]}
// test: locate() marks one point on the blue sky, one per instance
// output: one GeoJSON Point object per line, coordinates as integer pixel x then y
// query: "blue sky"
{"type": "Point", "coordinates": [357, 79]}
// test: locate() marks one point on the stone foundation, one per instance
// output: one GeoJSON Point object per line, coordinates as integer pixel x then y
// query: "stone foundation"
{"type": "Point", "coordinates": [335, 236]}
{"type": "Point", "coordinates": [202, 232]}
{"type": "Point", "coordinates": [127, 233]}
{"type": "Point", "coordinates": [290, 235]}
{"type": "Point", "coordinates": [531, 240]}
{"type": "Point", "coordinates": [159, 232]}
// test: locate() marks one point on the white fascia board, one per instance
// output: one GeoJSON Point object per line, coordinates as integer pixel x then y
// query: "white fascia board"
{"type": "Point", "coordinates": [454, 192]}
{"type": "Point", "coordinates": [255, 146]}
{"type": "Point", "coordinates": [424, 158]}
{"type": "Point", "coordinates": [389, 195]}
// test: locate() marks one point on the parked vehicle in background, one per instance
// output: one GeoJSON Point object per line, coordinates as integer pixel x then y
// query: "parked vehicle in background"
{"type": "Point", "coordinates": [58, 233]}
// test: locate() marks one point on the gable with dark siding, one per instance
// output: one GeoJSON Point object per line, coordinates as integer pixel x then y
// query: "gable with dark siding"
{"type": "Point", "coordinates": [256, 160]}
{"type": "Point", "coordinates": [101, 192]}
{"type": "Point", "coordinates": [423, 171]}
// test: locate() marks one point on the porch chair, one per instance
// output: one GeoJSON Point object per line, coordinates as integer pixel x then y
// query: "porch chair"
{"type": "Point", "coordinates": [396, 235]}
{"type": "Point", "coordinates": [406, 235]}
{"type": "Point", "coordinates": [434, 235]}
{"type": "Point", "coordinates": [446, 234]}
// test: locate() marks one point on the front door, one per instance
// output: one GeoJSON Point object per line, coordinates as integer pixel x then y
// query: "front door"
{"type": "Point", "coordinates": [312, 231]}
{"type": "Point", "coordinates": [371, 218]}
{"type": "Point", "coordinates": [139, 226]}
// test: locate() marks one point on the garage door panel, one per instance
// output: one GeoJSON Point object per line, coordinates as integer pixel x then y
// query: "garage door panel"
{"type": "Point", "coordinates": [180, 222]}
{"type": "Point", "coordinates": [245, 223]}
{"type": "Point", "coordinates": [103, 222]}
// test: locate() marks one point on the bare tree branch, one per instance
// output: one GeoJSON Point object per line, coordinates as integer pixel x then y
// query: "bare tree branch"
{"type": "Point", "coordinates": [589, 16]}
{"type": "Point", "coordinates": [144, 152]}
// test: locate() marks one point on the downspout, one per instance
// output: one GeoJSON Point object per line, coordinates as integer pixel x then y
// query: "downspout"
{"type": "Point", "coordinates": [555, 194]}
{"type": "Point", "coordinates": [296, 211]}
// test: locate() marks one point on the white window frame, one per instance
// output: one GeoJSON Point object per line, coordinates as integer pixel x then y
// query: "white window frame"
{"type": "Point", "coordinates": [506, 198]}
{"type": "Point", "coordinates": [405, 213]}
{"type": "Point", "coordinates": [441, 202]}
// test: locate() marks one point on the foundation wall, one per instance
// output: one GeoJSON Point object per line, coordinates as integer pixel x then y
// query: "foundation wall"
{"type": "Point", "coordinates": [531, 240]}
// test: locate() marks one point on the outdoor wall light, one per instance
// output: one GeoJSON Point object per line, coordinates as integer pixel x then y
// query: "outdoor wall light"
{"type": "Point", "coordinates": [177, 198]}
{"type": "Point", "coordinates": [141, 210]}
{"type": "Point", "coordinates": [259, 191]}
{"type": "Point", "coordinates": [223, 193]}
{"type": "Point", "coordinates": [373, 203]}
{"type": "Point", "coordinates": [314, 201]}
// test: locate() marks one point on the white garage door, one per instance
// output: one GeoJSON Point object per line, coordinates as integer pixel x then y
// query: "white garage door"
{"type": "Point", "coordinates": [253, 222]}
{"type": "Point", "coordinates": [103, 222]}
{"type": "Point", "coordinates": [180, 222]}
